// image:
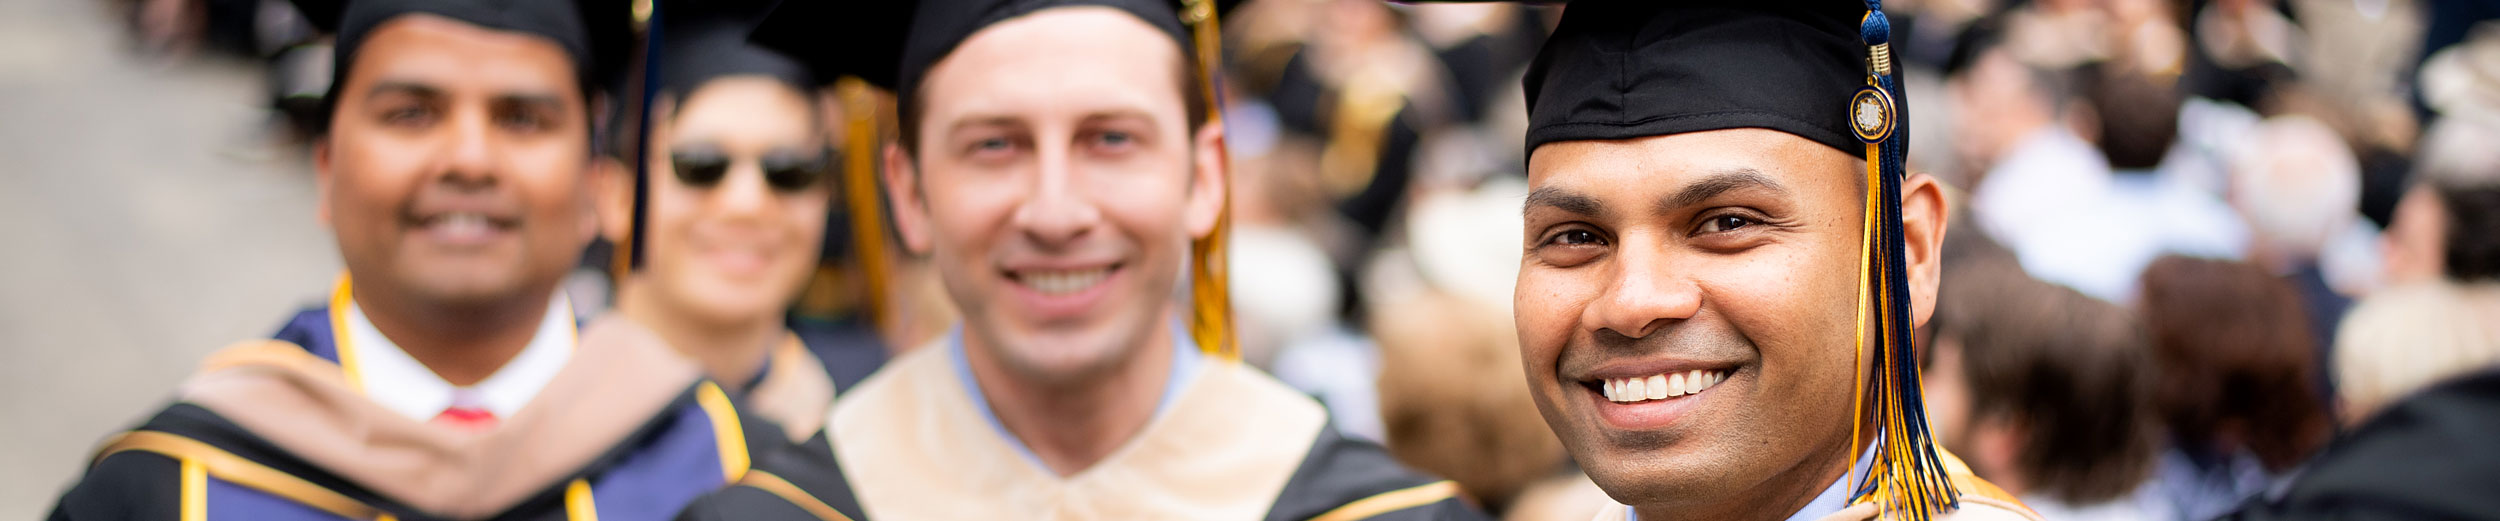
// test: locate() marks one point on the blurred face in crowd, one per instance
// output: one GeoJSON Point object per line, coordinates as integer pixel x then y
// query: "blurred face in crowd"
{"type": "Point", "coordinates": [456, 168]}
{"type": "Point", "coordinates": [1056, 185]}
{"type": "Point", "coordinates": [1995, 106]}
{"type": "Point", "coordinates": [1723, 264]}
{"type": "Point", "coordinates": [739, 195]}
{"type": "Point", "coordinates": [2416, 239]}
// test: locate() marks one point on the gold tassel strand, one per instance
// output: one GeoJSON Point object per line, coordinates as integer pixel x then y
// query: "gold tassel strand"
{"type": "Point", "coordinates": [859, 187]}
{"type": "Point", "coordinates": [1211, 320]}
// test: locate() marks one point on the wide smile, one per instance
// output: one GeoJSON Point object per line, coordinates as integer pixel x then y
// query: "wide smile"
{"type": "Point", "coordinates": [1061, 282]}
{"type": "Point", "coordinates": [462, 228]}
{"type": "Point", "coordinates": [1062, 291]}
{"type": "Point", "coordinates": [1652, 399]}
{"type": "Point", "coordinates": [1662, 386]}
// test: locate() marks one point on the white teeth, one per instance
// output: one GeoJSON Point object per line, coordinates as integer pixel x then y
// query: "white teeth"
{"type": "Point", "coordinates": [1062, 282]}
{"type": "Point", "coordinates": [1659, 386]}
{"type": "Point", "coordinates": [460, 224]}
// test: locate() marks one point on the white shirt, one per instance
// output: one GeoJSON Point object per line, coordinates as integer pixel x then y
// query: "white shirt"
{"type": "Point", "coordinates": [399, 383]}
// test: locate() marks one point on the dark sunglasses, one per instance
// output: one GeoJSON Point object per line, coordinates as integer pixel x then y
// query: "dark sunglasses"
{"type": "Point", "coordinates": [785, 171]}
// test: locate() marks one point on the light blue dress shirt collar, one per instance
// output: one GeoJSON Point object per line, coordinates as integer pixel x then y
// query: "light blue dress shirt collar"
{"type": "Point", "coordinates": [1186, 364]}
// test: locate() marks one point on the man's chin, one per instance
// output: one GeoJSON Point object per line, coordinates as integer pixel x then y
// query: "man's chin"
{"type": "Point", "coordinates": [1653, 483]}
{"type": "Point", "coordinates": [445, 288]}
{"type": "Point", "coordinates": [1638, 468]}
{"type": "Point", "coordinates": [1065, 355]}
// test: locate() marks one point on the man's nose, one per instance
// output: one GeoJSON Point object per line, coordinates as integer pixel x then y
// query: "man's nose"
{"type": "Point", "coordinates": [1059, 210]}
{"type": "Point", "coordinates": [470, 155]}
{"type": "Point", "coordinates": [1645, 293]}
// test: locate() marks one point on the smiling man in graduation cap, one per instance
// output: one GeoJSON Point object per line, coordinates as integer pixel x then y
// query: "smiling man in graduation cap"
{"type": "Point", "coordinates": [1061, 165]}
{"type": "Point", "coordinates": [457, 172]}
{"type": "Point", "coordinates": [1723, 260]}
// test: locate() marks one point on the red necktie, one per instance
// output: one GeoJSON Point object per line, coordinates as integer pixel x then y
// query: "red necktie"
{"type": "Point", "coordinates": [466, 413]}
{"type": "Point", "coordinates": [466, 418]}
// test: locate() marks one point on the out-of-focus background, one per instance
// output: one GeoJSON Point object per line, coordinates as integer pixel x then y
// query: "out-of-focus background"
{"type": "Point", "coordinates": [2198, 238]}
{"type": "Point", "coordinates": [148, 216]}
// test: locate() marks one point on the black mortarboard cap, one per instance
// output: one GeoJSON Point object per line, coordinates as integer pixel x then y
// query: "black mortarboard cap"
{"type": "Point", "coordinates": [893, 43]}
{"type": "Point", "coordinates": [598, 34]}
{"type": "Point", "coordinates": [707, 39]}
{"type": "Point", "coordinates": [1628, 69]}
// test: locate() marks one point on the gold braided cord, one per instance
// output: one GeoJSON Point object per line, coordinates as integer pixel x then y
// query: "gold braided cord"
{"type": "Point", "coordinates": [1211, 321]}
{"type": "Point", "coordinates": [1857, 351]}
{"type": "Point", "coordinates": [1906, 479]}
{"type": "Point", "coordinates": [859, 176]}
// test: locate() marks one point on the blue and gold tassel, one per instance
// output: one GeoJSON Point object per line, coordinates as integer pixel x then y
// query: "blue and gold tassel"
{"type": "Point", "coordinates": [1908, 480]}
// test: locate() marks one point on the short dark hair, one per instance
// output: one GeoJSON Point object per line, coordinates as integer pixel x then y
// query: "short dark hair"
{"type": "Point", "coordinates": [2239, 363]}
{"type": "Point", "coordinates": [2471, 251]}
{"type": "Point", "coordinates": [2138, 113]}
{"type": "Point", "coordinates": [2072, 370]}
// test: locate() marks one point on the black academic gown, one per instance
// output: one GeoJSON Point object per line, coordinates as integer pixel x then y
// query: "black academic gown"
{"type": "Point", "coordinates": [274, 430]}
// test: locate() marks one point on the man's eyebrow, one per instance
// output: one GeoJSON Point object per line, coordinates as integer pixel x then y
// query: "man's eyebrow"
{"type": "Point", "coordinates": [1717, 183]}
{"type": "Point", "coordinates": [532, 99]}
{"type": "Point", "coordinates": [404, 87]}
{"type": "Point", "coordinates": [1565, 200]}
{"type": "Point", "coordinates": [982, 121]}
{"type": "Point", "coordinates": [1120, 114]}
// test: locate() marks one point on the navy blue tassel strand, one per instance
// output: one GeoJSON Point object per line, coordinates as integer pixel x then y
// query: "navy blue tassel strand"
{"type": "Point", "coordinates": [1924, 472]}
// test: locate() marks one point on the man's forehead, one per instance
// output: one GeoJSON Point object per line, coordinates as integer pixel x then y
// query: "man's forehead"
{"type": "Point", "coordinates": [1664, 157]}
{"type": "Point", "coordinates": [1066, 61]}
{"type": "Point", "coordinates": [445, 54]}
{"type": "Point", "coordinates": [1699, 163]}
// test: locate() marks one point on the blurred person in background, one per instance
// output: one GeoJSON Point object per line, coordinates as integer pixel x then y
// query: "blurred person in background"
{"type": "Point", "coordinates": [2074, 157]}
{"type": "Point", "coordinates": [2428, 456]}
{"type": "Point", "coordinates": [2299, 186]}
{"type": "Point", "coordinates": [2030, 166]}
{"type": "Point", "coordinates": [1699, 276]}
{"type": "Point", "coordinates": [2448, 224]}
{"type": "Point", "coordinates": [732, 215]}
{"type": "Point", "coordinates": [1360, 93]}
{"type": "Point", "coordinates": [2238, 389]}
{"type": "Point", "coordinates": [1061, 163]}
{"type": "Point", "coordinates": [458, 172]}
{"type": "Point", "coordinates": [1445, 403]}
{"type": "Point", "coordinates": [2046, 392]}
{"type": "Point", "coordinates": [1450, 395]}
{"type": "Point", "coordinates": [1317, 177]}
{"type": "Point", "coordinates": [2406, 338]}
{"type": "Point", "coordinates": [2244, 51]}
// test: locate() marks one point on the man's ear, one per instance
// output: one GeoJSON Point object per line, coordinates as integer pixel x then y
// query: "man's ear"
{"type": "Point", "coordinates": [614, 188]}
{"type": "Point", "coordinates": [1209, 181]}
{"type": "Point", "coordinates": [612, 199]}
{"type": "Point", "coordinates": [902, 186]}
{"type": "Point", "coordinates": [322, 183]}
{"type": "Point", "coordinates": [1923, 215]}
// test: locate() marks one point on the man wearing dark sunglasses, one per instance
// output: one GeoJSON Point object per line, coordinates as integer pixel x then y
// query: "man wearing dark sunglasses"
{"type": "Point", "coordinates": [732, 218]}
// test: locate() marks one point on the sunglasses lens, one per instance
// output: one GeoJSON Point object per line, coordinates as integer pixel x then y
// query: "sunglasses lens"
{"type": "Point", "coordinates": [792, 174]}
{"type": "Point", "coordinates": [700, 170]}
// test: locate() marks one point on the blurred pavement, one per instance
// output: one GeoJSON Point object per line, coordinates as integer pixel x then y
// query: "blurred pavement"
{"type": "Point", "coordinates": [145, 221]}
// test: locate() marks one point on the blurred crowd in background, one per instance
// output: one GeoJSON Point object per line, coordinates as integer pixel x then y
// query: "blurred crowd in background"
{"type": "Point", "coordinates": [2194, 239]}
